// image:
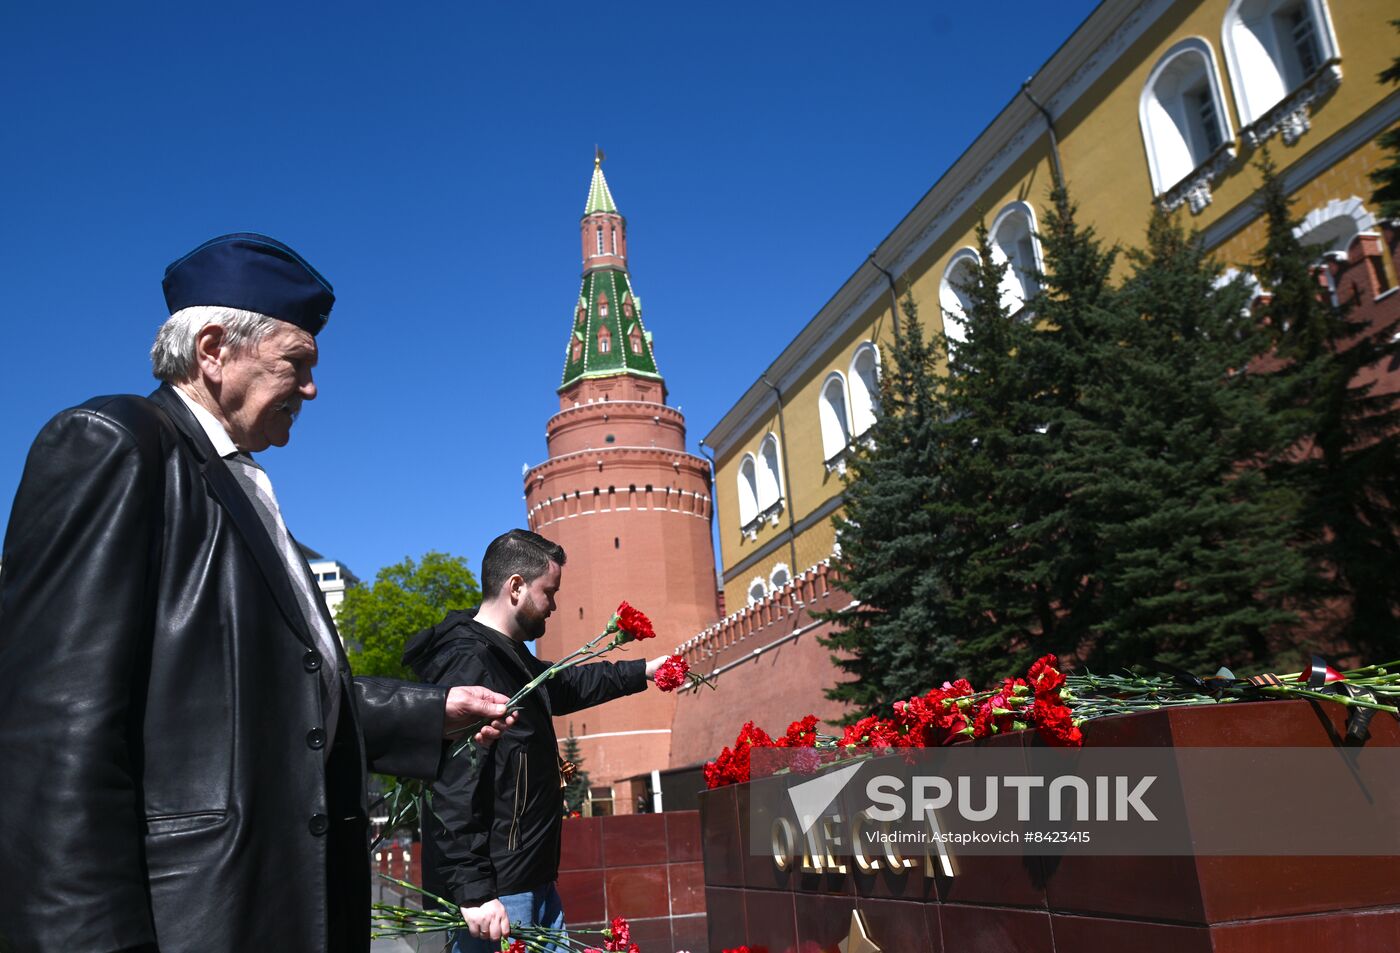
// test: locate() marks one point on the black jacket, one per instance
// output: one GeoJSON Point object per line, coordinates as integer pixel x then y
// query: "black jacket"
{"type": "Point", "coordinates": [161, 702]}
{"type": "Point", "coordinates": [494, 830]}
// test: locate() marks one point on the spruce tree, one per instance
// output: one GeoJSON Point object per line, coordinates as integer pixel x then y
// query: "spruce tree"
{"type": "Point", "coordinates": [1192, 540]}
{"type": "Point", "coordinates": [892, 545]}
{"type": "Point", "coordinates": [1387, 177]}
{"type": "Point", "coordinates": [1346, 463]}
{"type": "Point", "coordinates": [576, 789]}
{"type": "Point", "coordinates": [992, 461]}
{"type": "Point", "coordinates": [1074, 349]}
{"type": "Point", "coordinates": [930, 543]}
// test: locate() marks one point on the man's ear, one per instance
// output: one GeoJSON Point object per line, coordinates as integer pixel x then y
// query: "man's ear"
{"type": "Point", "coordinates": [515, 587]}
{"type": "Point", "coordinates": [209, 352]}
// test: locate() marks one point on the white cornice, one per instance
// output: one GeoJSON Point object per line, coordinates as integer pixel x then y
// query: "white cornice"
{"type": "Point", "coordinates": [1065, 77]}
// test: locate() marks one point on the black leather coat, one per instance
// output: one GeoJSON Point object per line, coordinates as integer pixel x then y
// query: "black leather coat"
{"type": "Point", "coordinates": [162, 779]}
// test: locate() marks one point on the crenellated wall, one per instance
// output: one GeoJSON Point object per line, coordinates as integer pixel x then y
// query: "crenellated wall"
{"type": "Point", "coordinates": [769, 667]}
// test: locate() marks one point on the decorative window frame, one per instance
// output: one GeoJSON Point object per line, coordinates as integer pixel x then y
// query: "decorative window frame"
{"type": "Point", "coordinates": [748, 491]}
{"type": "Point", "coordinates": [1193, 188]}
{"type": "Point", "coordinates": [835, 456]}
{"type": "Point", "coordinates": [1289, 116]}
{"type": "Point", "coordinates": [1015, 289]}
{"type": "Point", "coordinates": [757, 582]}
{"type": "Point", "coordinates": [776, 468]}
{"type": "Point", "coordinates": [853, 376]}
{"type": "Point", "coordinates": [773, 584]}
{"type": "Point", "coordinates": [1353, 208]}
{"type": "Point", "coordinates": [950, 300]}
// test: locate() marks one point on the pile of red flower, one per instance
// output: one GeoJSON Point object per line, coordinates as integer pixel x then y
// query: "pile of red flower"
{"type": "Point", "coordinates": [945, 715]}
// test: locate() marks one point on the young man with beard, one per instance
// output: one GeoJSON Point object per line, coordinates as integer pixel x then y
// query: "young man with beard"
{"type": "Point", "coordinates": [491, 841]}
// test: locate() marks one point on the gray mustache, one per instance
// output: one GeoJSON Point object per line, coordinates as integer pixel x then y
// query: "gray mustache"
{"type": "Point", "coordinates": [292, 407]}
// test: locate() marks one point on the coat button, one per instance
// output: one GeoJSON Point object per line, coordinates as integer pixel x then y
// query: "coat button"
{"type": "Point", "coordinates": [315, 738]}
{"type": "Point", "coordinates": [311, 661]}
{"type": "Point", "coordinates": [319, 824]}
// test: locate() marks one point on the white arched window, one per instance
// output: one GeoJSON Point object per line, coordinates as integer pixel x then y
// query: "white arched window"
{"type": "Point", "coordinates": [865, 387]}
{"type": "Point", "coordinates": [952, 296]}
{"type": "Point", "coordinates": [1330, 230]}
{"type": "Point", "coordinates": [779, 577]}
{"type": "Point", "coordinates": [770, 481]}
{"type": "Point", "coordinates": [758, 590]}
{"type": "Point", "coordinates": [1014, 242]}
{"type": "Point", "coordinates": [1272, 48]}
{"type": "Point", "coordinates": [1332, 227]}
{"type": "Point", "coordinates": [748, 490]}
{"type": "Point", "coordinates": [835, 419]}
{"type": "Point", "coordinates": [1182, 115]}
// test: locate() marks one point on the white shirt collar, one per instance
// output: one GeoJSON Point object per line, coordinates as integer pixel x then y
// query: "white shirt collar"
{"type": "Point", "coordinates": [214, 430]}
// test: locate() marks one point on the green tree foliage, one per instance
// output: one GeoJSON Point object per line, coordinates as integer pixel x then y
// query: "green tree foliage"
{"type": "Point", "coordinates": [1387, 177]}
{"type": "Point", "coordinates": [1192, 540]}
{"type": "Point", "coordinates": [1111, 475]}
{"type": "Point", "coordinates": [375, 621]}
{"type": "Point", "coordinates": [1346, 466]}
{"type": "Point", "coordinates": [989, 459]}
{"type": "Point", "coordinates": [1075, 347]}
{"type": "Point", "coordinates": [899, 635]}
{"type": "Point", "coordinates": [576, 791]}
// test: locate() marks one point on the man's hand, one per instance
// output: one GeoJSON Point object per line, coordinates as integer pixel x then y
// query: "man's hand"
{"type": "Point", "coordinates": [654, 664]}
{"type": "Point", "coordinates": [469, 704]}
{"type": "Point", "coordinates": [488, 921]}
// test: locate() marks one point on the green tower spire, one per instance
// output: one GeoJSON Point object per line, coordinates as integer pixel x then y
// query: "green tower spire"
{"type": "Point", "coordinates": [599, 195]}
{"type": "Point", "coordinates": [607, 337]}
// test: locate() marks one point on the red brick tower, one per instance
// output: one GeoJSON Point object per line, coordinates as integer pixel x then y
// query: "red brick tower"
{"type": "Point", "coordinates": [626, 501]}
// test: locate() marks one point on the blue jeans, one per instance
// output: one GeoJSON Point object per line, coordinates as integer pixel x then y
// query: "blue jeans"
{"type": "Point", "coordinates": [540, 907]}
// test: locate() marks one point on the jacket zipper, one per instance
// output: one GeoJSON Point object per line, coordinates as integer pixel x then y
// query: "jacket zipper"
{"type": "Point", "coordinates": [522, 789]}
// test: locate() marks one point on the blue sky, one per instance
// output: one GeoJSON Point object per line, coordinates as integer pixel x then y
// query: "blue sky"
{"type": "Point", "coordinates": [432, 160]}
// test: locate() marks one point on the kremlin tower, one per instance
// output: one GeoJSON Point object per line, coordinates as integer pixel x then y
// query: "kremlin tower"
{"type": "Point", "coordinates": [626, 501]}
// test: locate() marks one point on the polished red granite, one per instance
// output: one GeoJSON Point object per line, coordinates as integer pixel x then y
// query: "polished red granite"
{"type": "Point", "coordinates": [645, 867]}
{"type": "Point", "coordinates": [1074, 904]}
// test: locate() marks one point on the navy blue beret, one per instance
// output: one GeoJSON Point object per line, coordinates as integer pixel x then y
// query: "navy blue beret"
{"type": "Point", "coordinates": [250, 272]}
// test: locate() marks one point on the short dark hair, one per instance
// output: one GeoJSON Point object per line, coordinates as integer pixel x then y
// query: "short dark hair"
{"type": "Point", "coordinates": [519, 552]}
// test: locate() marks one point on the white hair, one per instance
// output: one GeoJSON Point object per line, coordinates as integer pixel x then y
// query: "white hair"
{"type": "Point", "coordinates": [172, 355]}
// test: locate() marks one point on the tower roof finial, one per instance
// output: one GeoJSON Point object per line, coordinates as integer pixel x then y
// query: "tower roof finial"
{"type": "Point", "coordinates": [599, 196]}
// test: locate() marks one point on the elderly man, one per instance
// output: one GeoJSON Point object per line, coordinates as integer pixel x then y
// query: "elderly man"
{"type": "Point", "coordinates": [184, 750]}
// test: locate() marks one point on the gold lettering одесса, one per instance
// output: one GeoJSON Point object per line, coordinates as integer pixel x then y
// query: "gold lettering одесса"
{"type": "Point", "coordinates": [871, 845]}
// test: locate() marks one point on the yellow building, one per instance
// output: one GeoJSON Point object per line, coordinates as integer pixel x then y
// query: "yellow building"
{"type": "Point", "coordinates": [1146, 102]}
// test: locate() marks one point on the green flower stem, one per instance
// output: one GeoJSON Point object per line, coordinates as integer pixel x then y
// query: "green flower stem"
{"type": "Point", "coordinates": [513, 705]}
{"type": "Point", "coordinates": [1347, 700]}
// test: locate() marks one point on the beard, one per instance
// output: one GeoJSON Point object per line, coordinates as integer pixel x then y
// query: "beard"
{"type": "Point", "coordinates": [531, 622]}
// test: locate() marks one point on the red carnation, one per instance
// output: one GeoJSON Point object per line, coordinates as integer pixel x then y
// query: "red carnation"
{"type": "Point", "coordinates": [806, 761]}
{"type": "Point", "coordinates": [619, 935]}
{"type": "Point", "coordinates": [1045, 676]}
{"type": "Point", "coordinates": [672, 674]}
{"type": "Point", "coordinates": [872, 731]}
{"type": "Point", "coordinates": [633, 624]}
{"type": "Point", "coordinates": [1055, 723]}
{"type": "Point", "coordinates": [983, 723]}
{"type": "Point", "coordinates": [800, 734]}
{"type": "Point", "coordinates": [516, 946]}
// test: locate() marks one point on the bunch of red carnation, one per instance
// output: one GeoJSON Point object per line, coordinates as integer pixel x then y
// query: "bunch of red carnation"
{"type": "Point", "coordinates": [1052, 718]}
{"type": "Point", "coordinates": [672, 674]}
{"type": "Point", "coordinates": [944, 715]}
{"type": "Point", "coordinates": [732, 766]}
